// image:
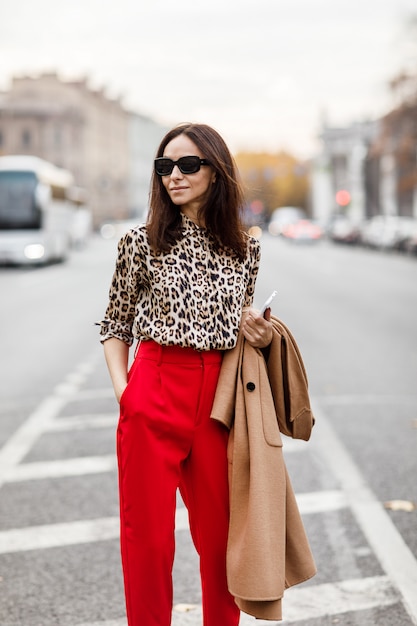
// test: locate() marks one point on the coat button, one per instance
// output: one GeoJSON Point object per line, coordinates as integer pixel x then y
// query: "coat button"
{"type": "Point", "coordinates": [251, 386]}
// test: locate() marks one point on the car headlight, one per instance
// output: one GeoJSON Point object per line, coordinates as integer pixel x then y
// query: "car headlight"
{"type": "Point", "coordinates": [34, 251]}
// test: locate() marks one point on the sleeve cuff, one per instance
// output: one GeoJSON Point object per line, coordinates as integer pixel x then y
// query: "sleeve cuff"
{"type": "Point", "coordinates": [119, 330]}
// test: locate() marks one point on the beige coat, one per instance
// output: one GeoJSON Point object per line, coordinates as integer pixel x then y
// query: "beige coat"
{"type": "Point", "coordinates": [268, 550]}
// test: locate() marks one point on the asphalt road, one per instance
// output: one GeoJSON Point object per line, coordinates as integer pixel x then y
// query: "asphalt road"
{"type": "Point", "coordinates": [353, 314]}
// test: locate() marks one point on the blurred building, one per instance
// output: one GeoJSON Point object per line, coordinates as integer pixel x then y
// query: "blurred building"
{"type": "Point", "coordinates": [392, 163]}
{"type": "Point", "coordinates": [145, 135]}
{"type": "Point", "coordinates": [339, 173]}
{"type": "Point", "coordinates": [86, 132]}
{"type": "Point", "coordinates": [370, 168]}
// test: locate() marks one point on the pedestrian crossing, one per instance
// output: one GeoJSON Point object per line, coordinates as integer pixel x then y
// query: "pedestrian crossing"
{"type": "Point", "coordinates": [315, 602]}
{"type": "Point", "coordinates": [397, 583]}
{"type": "Point", "coordinates": [102, 529]}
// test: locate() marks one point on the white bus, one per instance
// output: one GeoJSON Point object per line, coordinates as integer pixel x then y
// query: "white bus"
{"type": "Point", "coordinates": [39, 205]}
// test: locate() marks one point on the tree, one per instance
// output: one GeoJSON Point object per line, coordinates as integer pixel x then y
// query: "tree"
{"type": "Point", "coordinates": [274, 180]}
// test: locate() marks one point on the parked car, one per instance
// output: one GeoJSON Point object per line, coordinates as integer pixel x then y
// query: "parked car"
{"type": "Point", "coordinates": [410, 245]}
{"type": "Point", "coordinates": [407, 231]}
{"type": "Point", "coordinates": [302, 231]}
{"type": "Point", "coordinates": [282, 217]}
{"type": "Point", "coordinates": [371, 231]}
{"type": "Point", "coordinates": [387, 232]}
{"type": "Point", "coordinates": [344, 230]}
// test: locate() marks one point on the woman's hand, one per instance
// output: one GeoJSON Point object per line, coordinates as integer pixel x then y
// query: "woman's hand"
{"type": "Point", "coordinates": [256, 329]}
{"type": "Point", "coordinates": [118, 391]}
{"type": "Point", "coordinates": [117, 356]}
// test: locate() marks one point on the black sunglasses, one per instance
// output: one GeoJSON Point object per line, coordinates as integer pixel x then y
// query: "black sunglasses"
{"type": "Point", "coordinates": [186, 164]}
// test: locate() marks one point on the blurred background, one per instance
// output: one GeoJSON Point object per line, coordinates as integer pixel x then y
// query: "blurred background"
{"type": "Point", "coordinates": [318, 101]}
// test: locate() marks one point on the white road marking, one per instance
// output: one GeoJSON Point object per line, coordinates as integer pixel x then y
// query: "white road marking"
{"type": "Point", "coordinates": [113, 622]}
{"type": "Point", "coordinates": [70, 533]}
{"type": "Point", "coordinates": [310, 602]}
{"type": "Point", "coordinates": [19, 444]}
{"type": "Point", "coordinates": [102, 529]}
{"type": "Point", "coordinates": [58, 535]}
{"type": "Point", "coordinates": [395, 557]}
{"type": "Point", "coordinates": [332, 598]}
{"type": "Point", "coordinates": [300, 603]}
{"type": "Point", "coordinates": [93, 394]}
{"type": "Point", "coordinates": [320, 501]}
{"type": "Point", "coordinates": [81, 422]}
{"type": "Point", "coordinates": [79, 466]}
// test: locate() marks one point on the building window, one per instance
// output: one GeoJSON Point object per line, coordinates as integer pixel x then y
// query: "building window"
{"type": "Point", "coordinates": [26, 138]}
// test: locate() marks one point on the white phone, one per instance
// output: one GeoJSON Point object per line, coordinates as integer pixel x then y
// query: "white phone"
{"type": "Point", "coordinates": [267, 302]}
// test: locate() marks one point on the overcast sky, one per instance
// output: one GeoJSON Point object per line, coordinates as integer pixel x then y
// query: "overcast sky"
{"type": "Point", "coordinates": [263, 72]}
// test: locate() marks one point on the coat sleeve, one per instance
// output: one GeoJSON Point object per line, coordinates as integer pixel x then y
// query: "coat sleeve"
{"type": "Point", "coordinates": [289, 385]}
{"type": "Point", "coordinates": [223, 409]}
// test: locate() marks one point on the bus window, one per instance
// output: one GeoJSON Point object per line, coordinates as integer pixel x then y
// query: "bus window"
{"type": "Point", "coordinates": [18, 208]}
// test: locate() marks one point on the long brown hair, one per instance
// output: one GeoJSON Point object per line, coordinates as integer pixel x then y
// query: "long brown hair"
{"type": "Point", "coordinates": [221, 213]}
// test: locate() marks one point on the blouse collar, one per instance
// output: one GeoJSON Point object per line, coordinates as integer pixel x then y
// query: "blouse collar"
{"type": "Point", "coordinates": [191, 227]}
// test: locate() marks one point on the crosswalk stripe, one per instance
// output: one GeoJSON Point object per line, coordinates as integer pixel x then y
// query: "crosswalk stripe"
{"type": "Point", "coordinates": [301, 603]}
{"type": "Point", "coordinates": [81, 422]}
{"type": "Point", "coordinates": [102, 529]}
{"type": "Point", "coordinates": [61, 468]}
{"type": "Point", "coordinates": [321, 501]}
{"type": "Point", "coordinates": [313, 502]}
{"type": "Point", "coordinates": [315, 601]}
{"type": "Point", "coordinates": [95, 394]}
{"type": "Point", "coordinates": [58, 535]}
{"type": "Point", "coordinates": [386, 541]}
{"type": "Point", "coordinates": [19, 444]}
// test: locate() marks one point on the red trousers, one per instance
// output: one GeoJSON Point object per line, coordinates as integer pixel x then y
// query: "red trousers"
{"type": "Point", "coordinates": [167, 440]}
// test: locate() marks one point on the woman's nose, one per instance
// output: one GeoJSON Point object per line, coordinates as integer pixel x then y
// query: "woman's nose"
{"type": "Point", "coordinates": [176, 172]}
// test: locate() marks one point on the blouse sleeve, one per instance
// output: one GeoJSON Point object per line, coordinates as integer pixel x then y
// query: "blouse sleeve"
{"type": "Point", "coordinates": [123, 294]}
{"type": "Point", "coordinates": [254, 259]}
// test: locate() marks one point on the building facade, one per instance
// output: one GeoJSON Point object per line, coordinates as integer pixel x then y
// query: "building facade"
{"type": "Point", "coordinates": [392, 162]}
{"type": "Point", "coordinates": [374, 162]}
{"type": "Point", "coordinates": [86, 132]}
{"type": "Point", "coordinates": [339, 173]}
{"type": "Point", "coordinates": [145, 135]}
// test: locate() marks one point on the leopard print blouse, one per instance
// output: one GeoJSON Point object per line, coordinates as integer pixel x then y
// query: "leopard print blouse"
{"type": "Point", "coordinates": [191, 296]}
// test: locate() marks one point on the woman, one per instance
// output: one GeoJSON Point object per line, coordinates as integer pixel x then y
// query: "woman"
{"type": "Point", "coordinates": [180, 286]}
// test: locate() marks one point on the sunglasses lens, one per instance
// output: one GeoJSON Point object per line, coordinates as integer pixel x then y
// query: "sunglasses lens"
{"type": "Point", "coordinates": [164, 167]}
{"type": "Point", "coordinates": [189, 164]}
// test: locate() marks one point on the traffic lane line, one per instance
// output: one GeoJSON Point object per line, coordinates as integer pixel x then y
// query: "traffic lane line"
{"type": "Point", "coordinates": [43, 418]}
{"type": "Point", "coordinates": [38, 422]}
{"type": "Point", "coordinates": [394, 556]}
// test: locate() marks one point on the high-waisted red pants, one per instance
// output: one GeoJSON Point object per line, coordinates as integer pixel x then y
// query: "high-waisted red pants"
{"type": "Point", "coordinates": [166, 439]}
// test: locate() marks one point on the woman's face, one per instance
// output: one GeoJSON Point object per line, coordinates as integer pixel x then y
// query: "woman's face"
{"type": "Point", "coordinates": [187, 190]}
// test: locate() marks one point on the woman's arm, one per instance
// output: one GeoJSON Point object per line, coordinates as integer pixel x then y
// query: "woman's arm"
{"type": "Point", "coordinates": [117, 358]}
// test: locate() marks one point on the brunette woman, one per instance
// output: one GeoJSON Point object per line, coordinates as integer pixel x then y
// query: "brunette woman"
{"type": "Point", "coordinates": [179, 288]}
